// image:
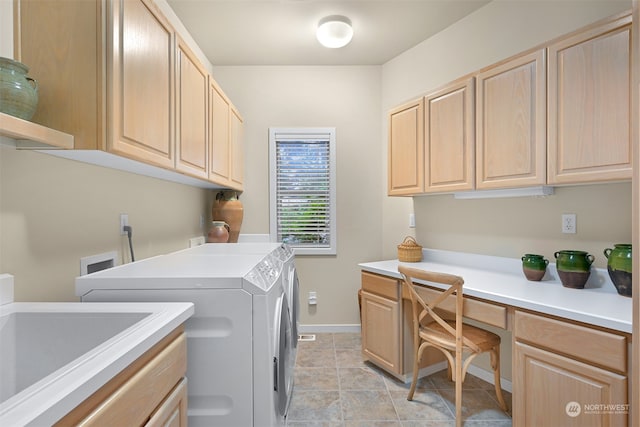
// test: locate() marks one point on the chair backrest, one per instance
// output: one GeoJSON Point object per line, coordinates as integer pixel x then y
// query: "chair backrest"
{"type": "Point", "coordinates": [422, 308]}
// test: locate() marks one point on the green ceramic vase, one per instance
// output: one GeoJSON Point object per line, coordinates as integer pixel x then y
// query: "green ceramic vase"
{"type": "Point", "coordinates": [534, 266]}
{"type": "Point", "coordinates": [574, 267]}
{"type": "Point", "coordinates": [619, 266]}
{"type": "Point", "coordinates": [18, 93]}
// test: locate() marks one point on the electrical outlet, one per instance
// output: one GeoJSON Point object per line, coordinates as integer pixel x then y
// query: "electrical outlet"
{"type": "Point", "coordinates": [124, 221]}
{"type": "Point", "coordinates": [313, 300]}
{"type": "Point", "coordinates": [569, 223]}
{"type": "Point", "coordinates": [412, 220]}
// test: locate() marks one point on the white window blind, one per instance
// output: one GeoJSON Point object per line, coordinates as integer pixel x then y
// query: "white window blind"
{"type": "Point", "coordinates": [302, 163]}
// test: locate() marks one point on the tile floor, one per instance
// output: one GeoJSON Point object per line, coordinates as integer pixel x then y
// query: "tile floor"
{"type": "Point", "coordinates": [334, 387]}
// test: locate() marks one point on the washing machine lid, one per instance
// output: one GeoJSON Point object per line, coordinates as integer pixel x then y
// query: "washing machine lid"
{"type": "Point", "coordinates": [173, 271]}
{"type": "Point", "coordinates": [260, 248]}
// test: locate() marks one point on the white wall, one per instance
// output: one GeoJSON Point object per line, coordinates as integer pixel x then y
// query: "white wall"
{"type": "Point", "coordinates": [347, 98]}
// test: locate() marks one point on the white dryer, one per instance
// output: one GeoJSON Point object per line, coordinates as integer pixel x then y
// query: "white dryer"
{"type": "Point", "coordinates": [239, 342]}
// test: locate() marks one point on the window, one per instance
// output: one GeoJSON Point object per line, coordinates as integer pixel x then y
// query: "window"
{"type": "Point", "coordinates": [302, 165]}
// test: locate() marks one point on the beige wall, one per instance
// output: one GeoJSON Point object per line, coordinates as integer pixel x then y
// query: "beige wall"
{"type": "Point", "coordinates": [347, 98]}
{"type": "Point", "coordinates": [54, 211]}
{"type": "Point", "coordinates": [495, 32]}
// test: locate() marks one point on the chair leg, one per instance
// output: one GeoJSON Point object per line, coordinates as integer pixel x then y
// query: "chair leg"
{"type": "Point", "coordinates": [416, 362]}
{"type": "Point", "coordinates": [495, 365]}
{"type": "Point", "coordinates": [458, 381]}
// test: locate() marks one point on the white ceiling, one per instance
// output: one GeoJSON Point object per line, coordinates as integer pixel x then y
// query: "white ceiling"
{"type": "Point", "coordinates": [282, 32]}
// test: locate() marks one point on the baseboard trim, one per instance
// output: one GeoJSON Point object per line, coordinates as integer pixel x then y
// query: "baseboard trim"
{"type": "Point", "coordinates": [310, 329]}
{"type": "Point", "coordinates": [487, 376]}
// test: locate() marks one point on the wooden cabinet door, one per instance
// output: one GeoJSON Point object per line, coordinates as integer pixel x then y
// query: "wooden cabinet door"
{"type": "Point", "coordinates": [173, 411]}
{"type": "Point", "coordinates": [381, 333]}
{"type": "Point", "coordinates": [141, 83]}
{"type": "Point", "coordinates": [554, 390]}
{"type": "Point", "coordinates": [449, 138]}
{"type": "Point", "coordinates": [219, 150]}
{"type": "Point", "coordinates": [589, 105]}
{"type": "Point", "coordinates": [191, 113]}
{"type": "Point", "coordinates": [511, 123]}
{"type": "Point", "coordinates": [406, 149]}
{"type": "Point", "coordinates": [236, 142]}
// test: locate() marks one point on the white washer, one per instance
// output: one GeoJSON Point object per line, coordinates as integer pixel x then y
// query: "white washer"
{"type": "Point", "coordinates": [283, 252]}
{"type": "Point", "coordinates": [239, 341]}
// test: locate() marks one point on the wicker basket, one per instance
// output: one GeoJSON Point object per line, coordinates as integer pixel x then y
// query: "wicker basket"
{"type": "Point", "coordinates": [409, 250]}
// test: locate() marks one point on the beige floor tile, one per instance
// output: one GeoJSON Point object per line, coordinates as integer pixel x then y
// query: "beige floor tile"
{"type": "Point", "coordinates": [476, 405]}
{"type": "Point", "coordinates": [315, 405]}
{"type": "Point", "coordinates": [423, 423]}
{"type": "Point", "coordinates": [316, 379]}
{"type": "Point", "coordinates": [426, 405]}
{"type": "Point", "coordinates": [347, 340]}
{"type": "Point", "coordinates": [372, 405]}
{"type": "Point", "coordinates": [372, 424]}
{"type": "Point", "coordinates": [441, 382]}
{"type": "Point", "coordinates": [316, 358]}
{"type": "Point", "coordinates": [349, 358]}
{"type": "Point", "coordinates": [315, 424]}
{"type": "Point", "coordinates": [360, 379]}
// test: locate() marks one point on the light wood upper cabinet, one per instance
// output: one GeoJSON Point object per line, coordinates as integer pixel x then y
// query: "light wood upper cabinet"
{"type": "Point", "coordinates": [191, 113]}
{"type": "Point", "coordinates": [449, 137]}
{"type": "Point", "coordinates": [140, 87]}
{"type": "Point", "coordinates": [219, 153]}
{"type": "Point", "coordinates": [406, 149]}
{"type": "Point", "coordinates": [124, 82]}
{"type": "Point", "coordinates": [589, 104]}
{"type": "Point", "coordinates": [109, 82]}
{"type": "Point", "coordinates": [236, 145]}
{"type": "Point", "coordinates": [511, 124]}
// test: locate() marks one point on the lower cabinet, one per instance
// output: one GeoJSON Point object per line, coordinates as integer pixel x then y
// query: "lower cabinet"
{"type": "Point", "coordinates": [381, 334]}
{"type": "Point", "coordinates": [173, 411]}
{"type": "Point", "coordinates": [151, 391]}
{"type": "Point", "coordinates": [568, 374]}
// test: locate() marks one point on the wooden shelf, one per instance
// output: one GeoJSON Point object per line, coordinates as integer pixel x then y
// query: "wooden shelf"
{"type": "Point", "coordinates": [30, 135]}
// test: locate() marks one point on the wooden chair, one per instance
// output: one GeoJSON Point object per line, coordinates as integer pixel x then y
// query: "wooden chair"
{"type": "Point", "coordinates": [459, 343]}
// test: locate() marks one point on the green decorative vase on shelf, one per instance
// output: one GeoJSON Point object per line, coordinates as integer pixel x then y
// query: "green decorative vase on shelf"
{"type": "Point", "coordinates": [18, 93]}
{"type": "Point", "coordinates": [534, 266]}
{"type": "Point", "coordinates": [619, 266]}
{"type": "Point", "coordinates": [574, 267]}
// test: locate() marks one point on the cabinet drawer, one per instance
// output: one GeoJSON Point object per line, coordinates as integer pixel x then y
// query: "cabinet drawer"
{"type": "Point", "coordinates": [132, 395]}
{"type": "Point", "coordinates": [491, 314]}
{"type": "Point", "coordinates": [591, 345]}
{"type": "Point", "coordinates": [381, 285]}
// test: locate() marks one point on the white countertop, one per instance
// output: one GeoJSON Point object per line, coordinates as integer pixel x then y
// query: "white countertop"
{"type": "Point", "coordinates": [501, 280]}
{"type": "Point", "coordinates": [53, 396]}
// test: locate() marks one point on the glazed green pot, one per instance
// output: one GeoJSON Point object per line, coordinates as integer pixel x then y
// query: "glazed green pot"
{"type": "Point", "coordinates": [534, 266]}
{"type": "Point", "coordinates": [574, 267]}
{"type": "Point", "coordinates": [18, 93]}
{"type": "Point", "coordinates": [619, 266]}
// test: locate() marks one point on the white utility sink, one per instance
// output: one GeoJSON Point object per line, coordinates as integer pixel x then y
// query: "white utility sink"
{"type": "Point", "coordinates": [55, 355]}
{"type": "Point", "coordinates": [35, 344]}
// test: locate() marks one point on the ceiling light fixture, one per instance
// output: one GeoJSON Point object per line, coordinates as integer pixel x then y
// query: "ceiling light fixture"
{"type": "Point", "coordinates": [334, 31]}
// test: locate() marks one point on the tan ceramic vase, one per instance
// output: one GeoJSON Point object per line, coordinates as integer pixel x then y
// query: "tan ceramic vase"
{"type": "Point", "coordinates": [218, 233]}
{"type": "Point", "coordinates": [229, 209]}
